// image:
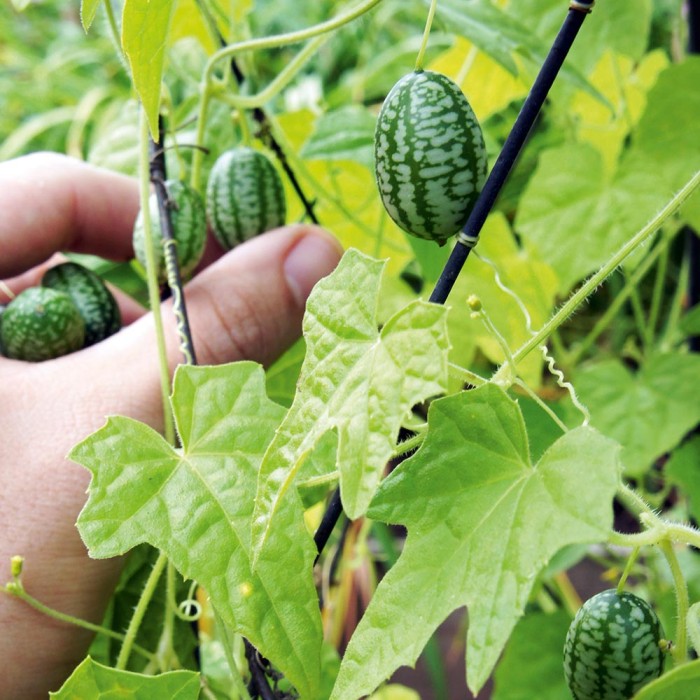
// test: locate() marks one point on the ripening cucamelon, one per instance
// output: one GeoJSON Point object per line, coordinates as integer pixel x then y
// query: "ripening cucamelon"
{"type": "Point", "coordinates": [189, 221]}
{"type": "Point", "coordinates": [430, 157]}
{"type": "Point", "coordinates": [40, 324]}
{"type": "Point", "coordinates": [89, 293]}
{"type": "Point", "coordinates": [612, 647]}
{"type": "Point", "coordinates": [245, 196]}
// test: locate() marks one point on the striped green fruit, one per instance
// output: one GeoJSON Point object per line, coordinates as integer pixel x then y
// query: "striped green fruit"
{"type": "Point", "coordinates": [430, 157]}
{"type": "Point", "coordinates": [40, 324]}
{"type": "Point", "coordinates": [612, 647]}
{"type": "Point", "coordinates": [189, 221]}
{"type": "Point", "coordinates": [245, 196]}
{"type": "Point", "coordinates": [89, 293]}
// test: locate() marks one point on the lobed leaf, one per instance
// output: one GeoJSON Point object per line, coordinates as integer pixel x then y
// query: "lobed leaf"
{"type": "Point", "coordinates": [482, 522]}
{"type": "Point", "coordinates": [195, 505]}
{"type": "Point", "coordinates": [98, 682]}
{"type": "Point", "coordinates": [356, 380]}
{"type": "Point", "coordinates": [648, 412]}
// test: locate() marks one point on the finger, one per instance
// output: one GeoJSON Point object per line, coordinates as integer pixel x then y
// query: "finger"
{"type": "Point", "coordinates": [52, 203]}
{"type": "Point", "coordinates": [247, 305]}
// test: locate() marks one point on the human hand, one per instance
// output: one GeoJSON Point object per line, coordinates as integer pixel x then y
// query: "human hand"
{"type": "Point", "coordinates": [246, 304]}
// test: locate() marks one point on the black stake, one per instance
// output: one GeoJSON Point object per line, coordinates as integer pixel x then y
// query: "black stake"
{"type": "Point", "coordinates": [469, 236]}
{"type": "Point", "coordinates": [172, 265]}
{"type": "Point", "coordinates": [496, 179]}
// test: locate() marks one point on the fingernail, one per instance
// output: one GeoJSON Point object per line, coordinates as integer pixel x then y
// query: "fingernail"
{"type": "Point", "coordinates": [314, 256]}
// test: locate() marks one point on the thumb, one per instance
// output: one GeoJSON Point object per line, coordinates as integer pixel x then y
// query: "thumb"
{"type": "Point", "coordinates": [248, 305]}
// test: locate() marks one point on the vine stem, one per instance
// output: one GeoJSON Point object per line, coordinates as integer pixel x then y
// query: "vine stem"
{"type": "Point", "coordinates": [152, 276]}
{"type": "Point", "coordinates": [426, 34]}
{"type": "Point", "coordinates": [258, 44]}
{"type": "Point", "coordinates": [680, 646]}
{"type": "Point", "coordinates": [16, 589]}
{"type": "Point", "coordinates": [587, 288]}
{"type": "Point", "coordinates": [575, 355]}
{"type": "Point", "coordinates": [140, 610]}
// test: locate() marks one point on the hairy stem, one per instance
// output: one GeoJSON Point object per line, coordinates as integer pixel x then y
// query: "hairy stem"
{"type": "Point", "coordinates": [140, 610]}
{"type": "Point", "coordinates": [680, 647]}
{"type": "Point", "coordinates": [587, 288]}
{"type": "Point", "coordinates": [426, 34]}
{"type": "Point", "coordinates": [16, 589]}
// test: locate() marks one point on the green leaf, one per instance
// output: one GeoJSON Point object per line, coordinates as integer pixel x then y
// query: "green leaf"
{"type": "Point", "coordinates": [195, 505]}
{"type": "Point", "coordinates": [88, 10]}
{"type": "Point", "coordinates": [482, 522]}
{"type": "Point", "coordinates": [680, 683]}
{"type": "Point", "coordinates": [690, 322]}
{"type": "Point", "coordinates": [619, 26]}
{"type": "Point", "coordinates": [343, 134]}
{"type": "Point", "coordinates": [668, 135]}
{"type": "Point", "coordinates": [575, 227]}
{"type": "Point", "coordinates": [682, 470]}
{"type": "Point", "coordinates": [94, 681]}
{"type": "Point", "coordinates": [531, 666]}
{"type": "Point", "coordinates": [145, 25]}
{"type": "Point", "coordinates": [499, 34]}
{"type": "Point", "coordinates": [355, 380]}
{"type": "Point", "coordinates": [647, 412]}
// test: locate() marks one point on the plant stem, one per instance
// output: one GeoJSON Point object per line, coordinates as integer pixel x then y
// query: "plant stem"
{"type": "Point", "coordinates": [604, 321]}
{"type": "Point", "coordinates": [587, 288]}
{"type": "Point", "coordinates": [628, 567]}
{"type": "Point", "coordinates": [18, 591]}
{"type": "Point", "coordinates": [152, 277]}
{"type": "Point", "coordinates": [258, 44]}
{"type": "Point", "coordinates": [281, 80]}
{"type": "Point", "coordinates": [140, 610]}
{"type": "Point", "coordinates": [680, 647]}
{"type": "Point", "coordinates": [657, 294]}
{"type": "Point", "coordinates": [426, 34]}
{"type": "Point", "coordinates": [239, 686]}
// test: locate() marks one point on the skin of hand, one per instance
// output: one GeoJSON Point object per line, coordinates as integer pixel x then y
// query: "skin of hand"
{"type": "Point", "coordinates": [245, 304]}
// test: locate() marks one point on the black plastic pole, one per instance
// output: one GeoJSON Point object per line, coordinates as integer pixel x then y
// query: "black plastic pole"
{"type": "Point", "coordinates": [469, 236]}
{"type": "Point", "coordinates": [158, 177]}
{"type": "Point", "coordinates": [494, 183]}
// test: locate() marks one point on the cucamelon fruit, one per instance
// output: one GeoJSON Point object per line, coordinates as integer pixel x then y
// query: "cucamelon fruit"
{"type": "Point", "coordinates": [90, 295]}
{"type": "Point", "coordinates": [430, 156]}
{"type": "Point", "coordinates": [40, 324]}
{"type": "Point", "coordinates": [189, 220]}
{"type": "Point", "coordinates": [612, 647]}
{"type": "Point", "coordinates": [245, 196]}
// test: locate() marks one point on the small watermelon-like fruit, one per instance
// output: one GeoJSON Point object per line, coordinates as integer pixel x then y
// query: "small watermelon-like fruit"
{"type": "Point", "coordinates": [612, 647]}
{"type": "Point", "coordinates": [189, 220]}
{"type": "Point", "coordinates": [40, 324]}
{"type": "Point", "coordinates": [94, 301]}
{"type": "Point", "coordinates": [430, 156]}
{"type": "Point", "coordinates": [245, 196]}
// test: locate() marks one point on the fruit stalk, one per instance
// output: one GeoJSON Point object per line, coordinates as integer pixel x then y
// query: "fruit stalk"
{"type": "Point", "coordinates": [511, 148]}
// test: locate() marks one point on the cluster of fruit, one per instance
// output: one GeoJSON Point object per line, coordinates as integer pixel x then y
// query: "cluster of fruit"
{"type": "Point", "coordinates": [72, 308]}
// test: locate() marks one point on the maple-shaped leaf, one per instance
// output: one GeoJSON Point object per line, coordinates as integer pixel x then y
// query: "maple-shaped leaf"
{"type": "Point", "coordinates": [482, 522]}
{"type": "Point", "coordinates": [357, 380]}
{"type": "Point", "coordinates": [195, 504]}
{"type": "Point", "coordinates": [97, 682]}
